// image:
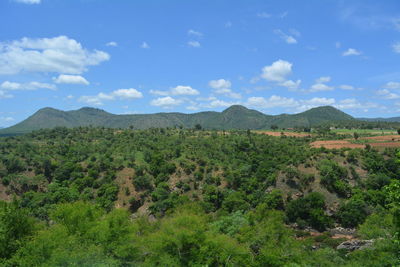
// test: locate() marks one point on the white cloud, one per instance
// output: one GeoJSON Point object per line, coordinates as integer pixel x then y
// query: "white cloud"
{"type": "Point", "coordinates": [219, 103]}
{"type": "Point", "coordinates": [7, 119]}
{"type": "Point", "coordinates": [220, 84]}
{"type": "Point", "coordinates": [195, 33]}
{"type": "Point", "coordinates": [26, 86]}
{"type": "Point", "coordinates": [392, 85]}
{"type": "Point", "coordinates": [275, 101]}
{"type": "Point", "coordinates": [346, 87]}
{"type": "Point", "coordinates": [28, 1]}
{"type": "Point", "coordinates": [114, 44]}
{"type": "Point", "coordinates": [145, 45]}
{"type": "Point", "coordinates": [122, 94]}
{"type": "Point", "coordinates": [352, 103]}
{"type": "Point", "coordinates": [130, 93]}
{"type": "Point", "coordinates": [278, 71]}
{"type": "Point", "coordinates": [318, 87]}
{"type": "Point", "coordinates": [264, 15]}
{"type": "Point", "coordinates": [71, 79]}
{"type": "Point", "coordinates": [223, 87]}
{"type": "Point", "coordinates": [396, 47]}
{"type": "Point", "coordinates": [271, 102]}
{"type": "Point", "coordinates": [59, 54]}
{"type": "Point", "coordinates": [386, 94]}
{"type": "Point", "coordinates": [194, 44]}
{"type": "Point", "coordinates": [165, 102]}
{"type": "Point", "coordinates": [184, 90]}
{"type": "Point", "coordinates": [351, 52]}
{"type": "Point", "coordinates": [314, 102]}
{"type": "Point", "coordinates": [4, 95]}
{"type": "Point", "coordinates": [178, 90]}
{"type": "Point", "coordinates": [324, 79]}
{"type": "Point", "coordinates": [287, 38]}
{"type": "Point", "coordinates": [159, 92]}
{"type": "Point", "coordinates": [291, 85]}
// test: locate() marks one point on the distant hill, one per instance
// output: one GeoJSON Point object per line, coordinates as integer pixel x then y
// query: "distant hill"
{"type": "Point", "coordinates": [234, 117]}
{"type": "Point", "coordinates": [394, 119]}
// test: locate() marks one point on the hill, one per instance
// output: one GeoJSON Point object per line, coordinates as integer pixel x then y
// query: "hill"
{"type": "Point", "coordinates": [393, 119]}
{"type": "Point", "coordinates": [234, 117]}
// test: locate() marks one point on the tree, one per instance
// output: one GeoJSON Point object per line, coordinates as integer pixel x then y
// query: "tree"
{"type": "Point", "coordinates": [198, 127]}
{"type": "Point", "coordinates": [356, 135]}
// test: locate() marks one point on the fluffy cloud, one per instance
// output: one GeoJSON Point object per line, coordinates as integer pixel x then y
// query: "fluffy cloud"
{"type": "Point", "coordinates": [352, 103]}
{"type": "Point", "coordinates": [7, 119]}
{"type": "Point", "coordinates": [4, 94]}
{"type": "Point", "coordinates": [184, 90]}
{"type": "Point", "coordinates": [71, 79]}
{"type": "Point", "coordinates": [195, 33]}
{"type": "Point", "coordinates": [324, 79]}
{"type": "Point", "coordinates": [291, 85]}
{"type": "Point", "coordinates": [392, 85]}
{"type": "Point", "coordinates": [396, 47]}
{"type": "Point", "coordinates": [275, 101]}
{"type": "Point", "coordinates": [165, 102]}
{"type": "Point", "coordinates": [351, 52]}
{"type": "Point", "coordinates": [320, 85]}
{"type": "Point", "coordinates": [195, 44]}
{"type": "Point", "coordinates": [130, 93]}
{"type": "Point", "coordinates": [346, 87]}
{"type": "Point", "coordinates": [122, 94]}
{"type": "Point", "coordinates": [271, 102]}
{"type": "Point", "coordinates": [112, 44]}
{"type": "Point", "coordinates": [386, 94]}
{"type": "Point", "coordinates": [278, 71]}
{"type": "Point", "coordinates": [26, 86]}
{"type": "Point", "coordinates": [178, 90]}
{"type": "Point", "coordinates": [28, 1]}
{"type": "Point", "coordinates": [287, 38]}
{"type": "Point", "coordinates": [223, 87]}
{"type": "Point", "coordinates": [59, 54]}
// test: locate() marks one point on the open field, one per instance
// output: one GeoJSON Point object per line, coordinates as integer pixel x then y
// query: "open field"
{"type": "Point", "coordinates": [364, 131]}
{"type": "Point", "coordinates": [287, 133]}
{"type": "Point", "coordinates": [374, 141]}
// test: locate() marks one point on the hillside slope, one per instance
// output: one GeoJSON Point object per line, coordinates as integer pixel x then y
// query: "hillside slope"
{"type": "Point", "coordinates": [234, 117]}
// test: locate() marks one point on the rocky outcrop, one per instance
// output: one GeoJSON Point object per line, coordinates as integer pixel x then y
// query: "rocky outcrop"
{"type": "Point", "coordinates": [352, 245]}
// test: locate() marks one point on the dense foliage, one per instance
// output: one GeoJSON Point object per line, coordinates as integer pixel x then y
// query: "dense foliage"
{"type": "Point", "coordinates": [197, 197]}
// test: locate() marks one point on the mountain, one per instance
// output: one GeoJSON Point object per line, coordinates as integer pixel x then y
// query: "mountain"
{"type": "Point", "coordinates": [234, 117]}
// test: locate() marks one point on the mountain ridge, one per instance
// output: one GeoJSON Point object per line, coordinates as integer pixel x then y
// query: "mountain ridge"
{"type": "Point", "coordinates": [233, 117]}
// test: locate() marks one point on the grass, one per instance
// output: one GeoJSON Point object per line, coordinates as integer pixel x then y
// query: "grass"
{"type": "Point", "coordinates": [365, 131]}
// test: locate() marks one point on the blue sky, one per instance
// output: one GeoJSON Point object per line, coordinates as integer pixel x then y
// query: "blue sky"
{"type": "Point", "coordinates": [189, 56]}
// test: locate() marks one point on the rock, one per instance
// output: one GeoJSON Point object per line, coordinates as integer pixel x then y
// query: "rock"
{"type": "Point", "coordinates": [342, 231]}
{"type": "Point", "coordinates": [355, 244]}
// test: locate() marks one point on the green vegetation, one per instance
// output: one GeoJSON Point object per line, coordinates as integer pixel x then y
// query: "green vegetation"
{"type": "Point", "coordinates": [189, 197]}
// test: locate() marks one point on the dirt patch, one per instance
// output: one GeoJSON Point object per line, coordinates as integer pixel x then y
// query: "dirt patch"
{"type": "Point", "coordinates": [3, 194]}
{"type": "Point", "coordinates": [384, 138]}
{"type": "Point", "coordinates": [380, 142]}
{"type": "Point", "coordinates": [386, 144]}
{"type": "Point", "coordinates": [124, 180]}
{"type": "Point", "coordinates": [293, 134]}
{"type": "Point", "coordinates": [335, 144]}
